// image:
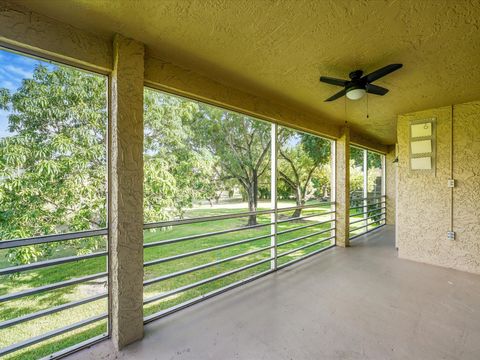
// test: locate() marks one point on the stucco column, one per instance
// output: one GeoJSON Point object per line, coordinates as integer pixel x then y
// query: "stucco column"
{"type": "Point", "coordinates": [390, 184]}
{"type": "Point", "coordinates": [126, 191]}
{"type": "Point", "coordinates": [342, 187]}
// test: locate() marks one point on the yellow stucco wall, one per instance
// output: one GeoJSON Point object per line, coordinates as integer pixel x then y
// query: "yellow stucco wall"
{"type": "Point", "coordinates": [424, 200]}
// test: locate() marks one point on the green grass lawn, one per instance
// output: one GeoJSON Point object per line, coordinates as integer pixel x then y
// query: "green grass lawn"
{"type": "Point", "coordinates": [40, 277]}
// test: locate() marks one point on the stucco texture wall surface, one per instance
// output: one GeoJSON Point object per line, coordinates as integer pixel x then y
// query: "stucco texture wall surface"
{"type": "Point", "coordinates": [342, 189]}
{"type": "Point", "coordinates": [126, 227]}
{"type": "Point", "coordinates": [424, 200]}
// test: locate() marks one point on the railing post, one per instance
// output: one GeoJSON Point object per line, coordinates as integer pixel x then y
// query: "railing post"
{"type": "Point", "coordinates": [365, 186]}
{"type": "Point", "coordinates": [390, 175]}
{"type": "Point", "coordinates": [273, 194]}
{"type": "Point", "coordinates": [342, 187]}
{"type": "Point", "coordinates": [333, 187]}
{"type": "Point", "coordinates": [126, 192]}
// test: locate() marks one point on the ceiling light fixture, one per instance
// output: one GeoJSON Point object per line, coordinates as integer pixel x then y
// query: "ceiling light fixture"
{"type": "Point", "coordinates": [356, 93]}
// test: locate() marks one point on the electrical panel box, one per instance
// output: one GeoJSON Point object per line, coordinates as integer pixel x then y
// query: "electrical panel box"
{"type": "Point", "coordinates": [451, 183]}
{"type": "Point", "coordinates": [451, 235]}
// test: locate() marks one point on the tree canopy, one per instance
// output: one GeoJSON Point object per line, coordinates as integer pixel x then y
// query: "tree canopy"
{"type": "Point", "coordinates": [302, 158]}
{"type": "Point", "coordinates": [53, 164]}
{"type": "Point", "coordinates": [374, 160]}
{"type": "Point", "coordinates": [241, 147]}
{"type": "Point", "coordinates": [176, 169]}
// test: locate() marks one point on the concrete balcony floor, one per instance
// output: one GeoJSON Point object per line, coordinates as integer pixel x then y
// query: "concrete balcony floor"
{"type": "Point", "coordinates": [356, 303]}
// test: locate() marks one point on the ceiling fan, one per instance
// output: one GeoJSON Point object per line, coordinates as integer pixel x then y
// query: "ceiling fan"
{"type": "Point", "coordinates": [357, 86]}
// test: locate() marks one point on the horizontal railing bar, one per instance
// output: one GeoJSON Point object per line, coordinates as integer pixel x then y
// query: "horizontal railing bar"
{"type": "Point", "coordinates": [204, 266]}
{"type": "Point", "coordinates": [366, 232]}
{"type": "Point", "coordinates": [372, 223]}
{"type": "Point", "coordinates": [369, 198]}
{"type": "Point", "coordinates": [367, 218]}
{"type": "Point", "coordinates": [54, 286]}
{"type": "Point", "coordinates": [304, 257]}
{"type": "Point", "coordinates": [362, 206]}
{"type": "Point", "coordinates": [199, 236]}
{"type": "Point", "coordinates": [49, 311]}
{"type": "Point", "coordinates": [304, 247]}
{"type": "Point", "coordinates": [77, 347]}
{"type": "Point", "coordinates": [364, 226]}
{"type": "Point", "coordinates": [304, 237]}
{"type": "Point", "coordinates": [304, 217]}
{"type": "Point", "coordinates": [376, 207]}
{"type": "Point", "coordinates": [204, 219]}
{"type": "Point", "coordinates": [304, 206]}
{"type": "Point", "coordinates": [51, 334]}
{"type": "Point", "coordinates": [202, 251]}
{"type": "Point", "coordinates": [224, 217]}
{"type": "Point", "coordinates": [181, 306]}
{"type": "Point", "coordinates": [304, 227]}
{"type": "Point", "coordinates": [8, 244]}
{"type": "Point", "coordinates": [42, 264]}
{"type": "Point", "coordinates": [205, 281]}
{"type": "Point", "coordinates": [366, 212]}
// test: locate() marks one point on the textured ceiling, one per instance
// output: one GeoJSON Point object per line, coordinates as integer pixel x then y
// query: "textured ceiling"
{"type": "Point", "coordinates": [278, 49]}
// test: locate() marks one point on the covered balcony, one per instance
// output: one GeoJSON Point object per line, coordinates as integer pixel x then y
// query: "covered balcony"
{"type": "Point", "coordinates": [239, 180]}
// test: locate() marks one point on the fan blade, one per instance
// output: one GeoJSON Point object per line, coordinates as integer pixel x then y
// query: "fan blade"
{"type": "Point", "coordinates": [333, 81]}
{"type": "Point", "coordinates": [377, 74]}
{"type": "Point", "coordinates": [377, 90]}
{"type": "Point", "coordinates": [337, 95]}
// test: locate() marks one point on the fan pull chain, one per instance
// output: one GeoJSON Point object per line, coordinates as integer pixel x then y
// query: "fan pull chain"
{"type": "Point", "coordinates": [367, 105]}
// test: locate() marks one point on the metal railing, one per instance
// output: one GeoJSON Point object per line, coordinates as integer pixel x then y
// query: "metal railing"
{"type": "Point", "coordinates": [9, 271]}
{"type": "Point", "coordinates": [373, 215]}
{"type": "Point", "coordinates": [273, 246]}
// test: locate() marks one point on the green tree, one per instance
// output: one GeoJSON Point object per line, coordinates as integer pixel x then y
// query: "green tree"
{"type": "Point", "coordinates": [374, 160]}
{"type": "Point", "coordinates": [53, 164]}
{"type": "Point", "coordinates": [177, 170]}
{"type": "Point", "coordinates": [240, 146]}
{"type": "Point", "coordinates": [302, 157]}
{"type": "Point", "coordinates": [374, 166]}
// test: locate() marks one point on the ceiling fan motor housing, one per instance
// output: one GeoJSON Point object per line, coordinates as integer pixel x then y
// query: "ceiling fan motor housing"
{"type": "Point", "coordinates": [357, 74]}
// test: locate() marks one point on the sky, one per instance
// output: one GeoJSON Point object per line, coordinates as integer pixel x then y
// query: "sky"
{"type": "Point", "coordinates": [13, 69]}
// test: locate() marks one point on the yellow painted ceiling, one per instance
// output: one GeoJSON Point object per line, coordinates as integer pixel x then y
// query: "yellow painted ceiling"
{"type": "Point", "coordinates": [279, 49]}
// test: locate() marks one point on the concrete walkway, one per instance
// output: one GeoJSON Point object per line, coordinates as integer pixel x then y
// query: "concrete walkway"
{"type": "Point", "coordinates": [356, 303]}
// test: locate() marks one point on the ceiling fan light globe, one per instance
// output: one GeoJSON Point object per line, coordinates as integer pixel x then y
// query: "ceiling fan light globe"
{"type": "Point", "coordinates": [355, 94]}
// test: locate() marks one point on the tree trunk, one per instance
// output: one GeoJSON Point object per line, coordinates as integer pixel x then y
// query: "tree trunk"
{"type": "Point", "coordinates": [252, 219]}
{"type": "Point", "coordinates": [299, 202]}
{"type": "Point", "coordinates": [253, 199]}
{"type": "Point", "coordinates": [255, 188]}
